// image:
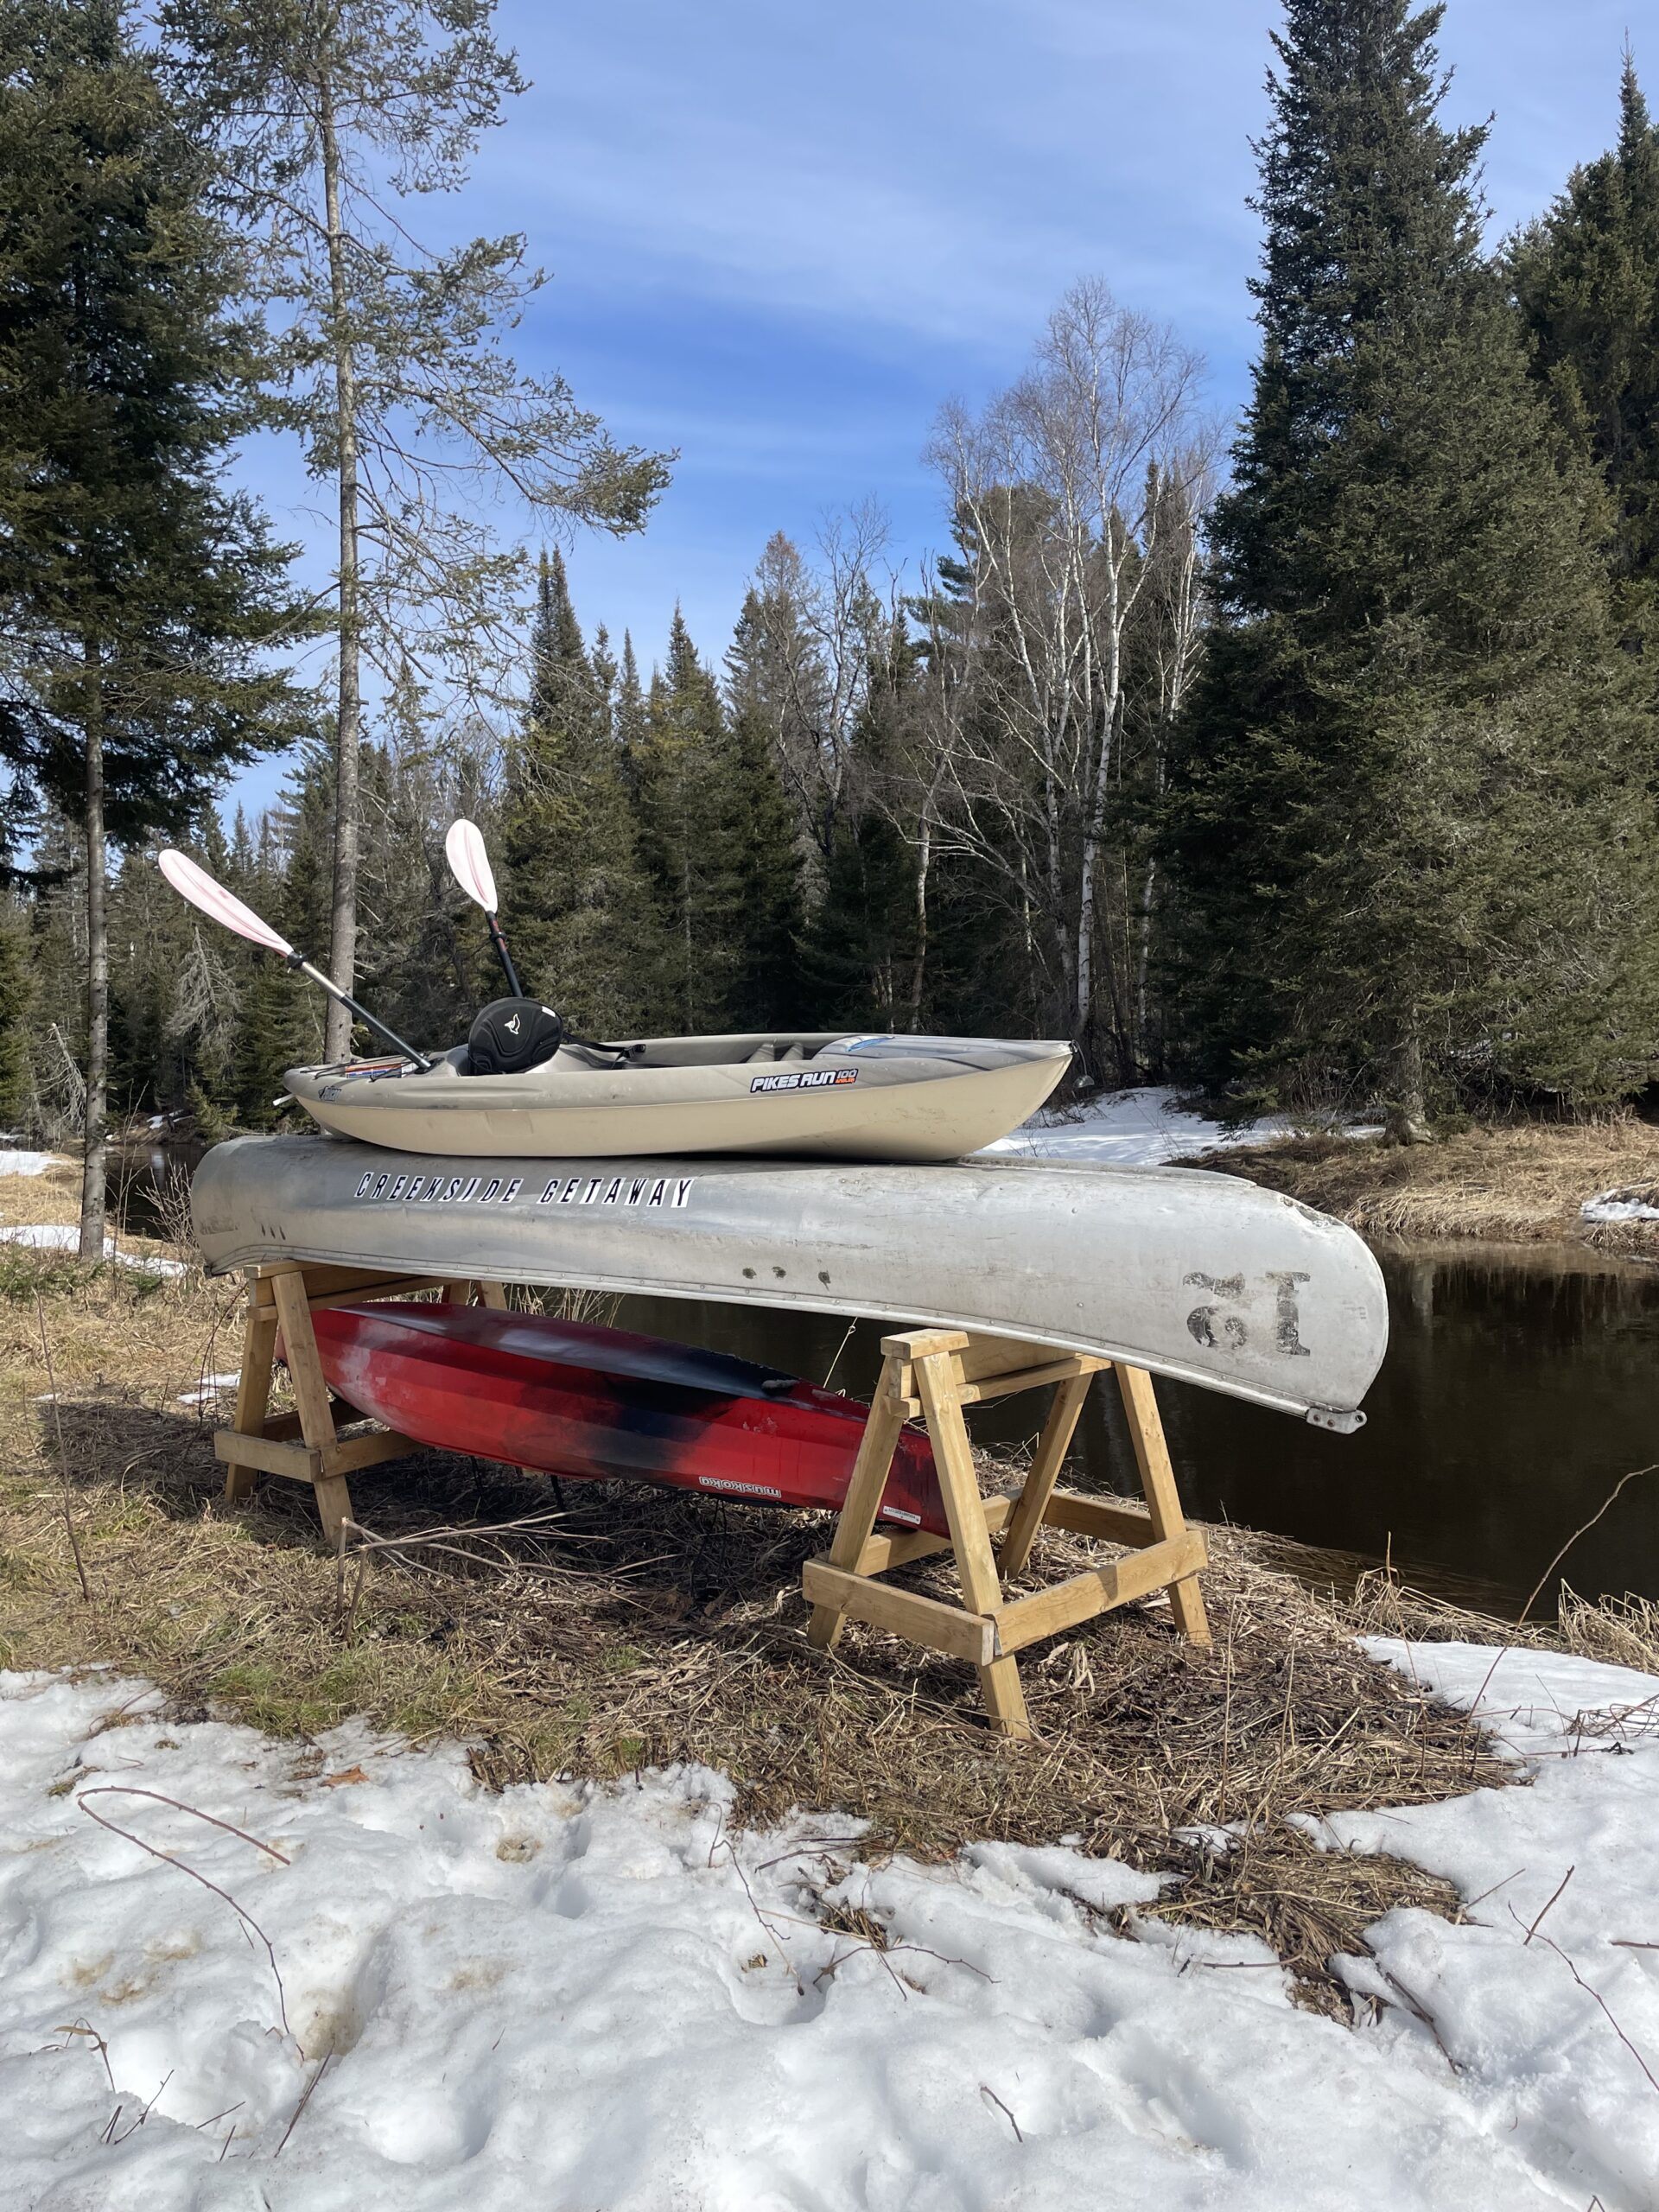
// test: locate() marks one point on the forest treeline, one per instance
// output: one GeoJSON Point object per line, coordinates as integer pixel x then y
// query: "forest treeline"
{"type": "Point", "coordinates": [1315, 762]}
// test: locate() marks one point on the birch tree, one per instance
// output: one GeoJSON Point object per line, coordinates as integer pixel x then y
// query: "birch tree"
{"type": "Point", "coordinates": [1066, 490]}
{"type": "Point", "coordinates": [331, 116]}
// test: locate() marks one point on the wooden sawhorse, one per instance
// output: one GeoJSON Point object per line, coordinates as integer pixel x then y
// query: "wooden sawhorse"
{"type": "Point", "coordinates": [935, 1373]}
{"type": "Point", "coordinates": [305, 1444]}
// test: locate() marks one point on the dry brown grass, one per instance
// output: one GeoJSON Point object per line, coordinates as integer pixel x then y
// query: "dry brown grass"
{"type": "Point", "coordinates": [615, 1626]}
{"type": "Point", "coordinates": [1518, 1184]}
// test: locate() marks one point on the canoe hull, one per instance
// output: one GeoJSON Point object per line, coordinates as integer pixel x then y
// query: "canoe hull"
{"type": "Point", "coordinates": [1200, 1276]}
{"type": "Point", "coordinates": [570, 1399]}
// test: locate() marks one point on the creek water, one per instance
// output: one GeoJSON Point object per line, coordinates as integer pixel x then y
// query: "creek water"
{"type": "Point", "coordinates": [1520, 1383]}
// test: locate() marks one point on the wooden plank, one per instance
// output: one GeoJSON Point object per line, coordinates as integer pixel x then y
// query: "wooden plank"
{"type": "Point", "coordinates": [271, 1455]}
{"type": "Point", "coordinates": [1051, 1448]}
{"type": "Point", "coordinates": [312, 1397]}
{"type": "Point", "coordinates": [1047, 1612]}
{"type": "Point", "coordinates": [355, 1452]}
{"type": "Point", "coordinates": [924, 1620]}
{"type": "Point", "coordinates": [458, 1290]}
{"type": "Point", "coordinates": [1093, 1517]}
{"type": "Point", "coordinates": [253, 1389]}
{"type": "Point", "coordinates": [377, 1287]}
{"type": "Point", "coordinates": [869, 1480]}
{"type": "Point", "coordinates": [1163, 1498]}
{"type": "Point", "coordinates": [937, 1379]}
{"type": "Point", "coordinates": [887, 1547]}
{"type": "Point", "coordinates": [1030, 1378]}
{"type": "Point", "coordinates": [912, 1344]}
{"type": "Point", "coordinates": [493, 1294]}
{"type": "Point", "coordinates": [322, 1280]}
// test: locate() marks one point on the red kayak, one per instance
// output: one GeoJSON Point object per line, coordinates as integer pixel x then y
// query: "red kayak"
{"type": "Point", "coordinates": [570, 1399]}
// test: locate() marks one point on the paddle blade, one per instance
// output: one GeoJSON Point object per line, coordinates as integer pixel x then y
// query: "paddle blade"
{"type": "Point", "coordinates": [463, 847]}
{"type": "Point", "coordinates": [196, 884]}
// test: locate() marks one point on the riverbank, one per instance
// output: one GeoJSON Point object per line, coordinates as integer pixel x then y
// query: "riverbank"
{"type": "Point", "coordinates": [594, 1631]}
{"type": "Point", "coordinates": [1522, 1184]}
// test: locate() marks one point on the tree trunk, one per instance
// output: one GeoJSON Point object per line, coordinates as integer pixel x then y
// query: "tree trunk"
{"type": "Point", "coordinates": [342, 942]}
{"type": "Point", "coordinates": [918, 965]}
{"type": "Point", "coordinates": [1407, 1116]}
{"type": "Point", "coordinates": [92, 1173]}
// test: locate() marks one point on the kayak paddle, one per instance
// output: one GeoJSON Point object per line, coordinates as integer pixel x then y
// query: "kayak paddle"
{"type": "Point", "coordinates": [463, 847]}
{"type": "Point", "coordinates": [196, 884]}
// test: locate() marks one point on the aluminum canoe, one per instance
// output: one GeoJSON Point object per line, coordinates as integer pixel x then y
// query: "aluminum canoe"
{"type": "Point", "coordinates": [1193, 1274]}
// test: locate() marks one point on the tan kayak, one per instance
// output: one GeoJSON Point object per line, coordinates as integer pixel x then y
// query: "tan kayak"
{"type": "Point", "coordinates": [819, 1096]}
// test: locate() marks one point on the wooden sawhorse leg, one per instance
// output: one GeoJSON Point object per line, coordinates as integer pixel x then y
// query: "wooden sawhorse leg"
{"type": "Point", "coordinates": [283, 1297]}
{"type": "Point", "coordinates": [935, 1373]}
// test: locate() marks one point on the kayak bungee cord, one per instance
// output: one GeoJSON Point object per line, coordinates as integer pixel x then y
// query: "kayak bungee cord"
{"type": "Point", "coordinates": [222, 906]}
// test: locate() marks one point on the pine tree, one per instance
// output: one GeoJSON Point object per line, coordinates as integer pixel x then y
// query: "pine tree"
{"type": "Point", "coordinates": [690, 818]}
{"type": "Point", "coordinates": [1587, 278]}
{"type": "Point", "coordinates": [581, 915]}
{"type": "Point", "coordinates": [1412, 850]}
{"type": "Point", "coordinates": [765, 988]}
{"type": "Point", "coordinates": [138, 600]}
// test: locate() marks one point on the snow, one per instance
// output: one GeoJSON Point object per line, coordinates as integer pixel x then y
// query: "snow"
{"type": "Point", "coordinates": [65, 1236]}
{"type": "Point", "coordinates": [1143, 1128]}
{"type": "Point", "coordinates": [208, 1390]}
{"type": "Point", "coordinates": [1618, 1205]}
{"type": "Point", "coordinates": [27, 1163]}
{"type": "Point", "coordinates": [613, 1997]}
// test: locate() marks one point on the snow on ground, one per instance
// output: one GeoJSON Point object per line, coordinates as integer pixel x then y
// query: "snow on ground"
{"type": "Point", "coordinates": [610, 1999]}
{"type": "Point", "coordinates": [1142, 1128]}
{"type": "Point", "coordinates": [65, 1236]}
{"type": "Point", "coordinates": [29, 1163]}
{"type": "Point", "coordinates": [1619, 1205]}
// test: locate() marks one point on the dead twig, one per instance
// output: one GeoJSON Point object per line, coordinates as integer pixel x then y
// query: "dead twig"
{"type": "Point", "coordinates": [986, 2090]}
{"type": "Point", "coordinates": [293, 2118]}
{"type": "Point", "coordinates": [168, 1860]}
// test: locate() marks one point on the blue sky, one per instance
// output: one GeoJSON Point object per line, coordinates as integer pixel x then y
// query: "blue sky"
{"type": "Point", "coordinates": [779, 236]}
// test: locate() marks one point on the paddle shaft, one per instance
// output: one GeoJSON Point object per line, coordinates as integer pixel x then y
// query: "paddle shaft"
{"type": "Point", "coordinates": [298, 960]}
{"type": "Point", "coordinates": [504, 956]}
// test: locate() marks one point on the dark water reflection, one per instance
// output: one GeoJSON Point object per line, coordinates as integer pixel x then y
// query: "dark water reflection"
{"type": "Point", "coordinates": [1521, 1381]}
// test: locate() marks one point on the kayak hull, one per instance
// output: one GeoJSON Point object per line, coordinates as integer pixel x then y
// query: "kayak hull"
{"type": "Point", "coordinates": [1199, 1276]}
{"type": "Point", "coordinates": [893, 1098]}
{"type": "Point", "coordinates": [570, 1399]}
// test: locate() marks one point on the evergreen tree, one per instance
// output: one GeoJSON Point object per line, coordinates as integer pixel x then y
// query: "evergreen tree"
{"type": "Point", "coordinates": [581, 917]}
{"type": "Point", "coordinates": [765, 990]}
{"type": "Point", "coordinates": [137, 598]}
{"type": "Point", "coordinates": [691, 819]}
{"type": "Point", "coordinates": [1413, 849]}
{"type": "Point", "coordinates": [17, 1011]}
{"type": "Point", "coordinates": [1586, 277]}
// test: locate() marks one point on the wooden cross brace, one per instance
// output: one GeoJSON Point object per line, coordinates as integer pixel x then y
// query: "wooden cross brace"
{"type": "Point", "coordinates": [933, 1373]}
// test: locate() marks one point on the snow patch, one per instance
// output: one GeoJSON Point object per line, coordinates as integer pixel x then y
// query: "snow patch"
{"type": "Point", "coordinates": [1620, 1205]}
{"type": "Point", "coordinates": [1142, 1128]}
{"type": "Point", "coordinates": [29, 1163]}
{"type": "Point", "coordinates": [64, 1236]}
